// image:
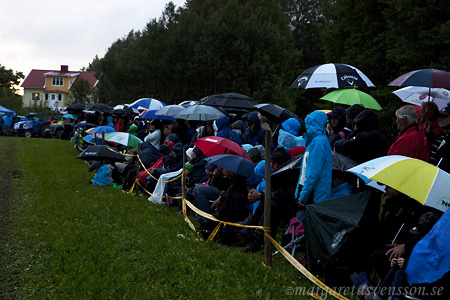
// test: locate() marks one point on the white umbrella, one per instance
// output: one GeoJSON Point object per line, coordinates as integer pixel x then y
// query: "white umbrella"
{"type": "Point", "coordinates": [331, 76]}
{"type": "Point", "coordinates": [418, 94]}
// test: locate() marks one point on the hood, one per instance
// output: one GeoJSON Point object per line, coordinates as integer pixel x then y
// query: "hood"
{"type": "Point", "coordinates": [133, 129]}
{"type": "Point", "coordinates": [260, 169]}
{"type": "Point", "coordinates": [242, 125]}
{"type": "Point", "coordinates": [253, 118]}
{"type": "Point", "coordinates": [223, 123]}
{"type": "Point", "coordinates": [178, 149]}
{"type": "Point", "coordinates": [110, 119]}
{"type": "Point", "coordinates": [366, 120]}
{"type": "Point", "coordinates": [316, 123]}
{"type": "Point", "coordinates": [292, 125]}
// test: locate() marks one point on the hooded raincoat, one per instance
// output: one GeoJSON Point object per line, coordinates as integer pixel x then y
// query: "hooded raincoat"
{"type": "Point", "coordinates": [288, 137]}
{"type": "Point", "coordinates": [258, 134]}
{"type": "Point", "coordinates": [315, 171]}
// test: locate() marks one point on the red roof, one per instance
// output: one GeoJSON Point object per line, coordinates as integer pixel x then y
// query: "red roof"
{"type": "Point", "coordinates": [36, 78]}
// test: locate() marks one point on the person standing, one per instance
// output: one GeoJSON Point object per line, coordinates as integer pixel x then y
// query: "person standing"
{"type": "Point", "coordinates": [442, 157]}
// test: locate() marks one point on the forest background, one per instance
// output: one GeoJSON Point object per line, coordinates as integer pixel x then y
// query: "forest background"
{"type": "Point", "coordinates": [259, 47]}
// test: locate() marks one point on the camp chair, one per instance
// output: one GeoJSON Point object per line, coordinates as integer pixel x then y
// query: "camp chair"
{"type": "Point", "coordinates": [297, 231]}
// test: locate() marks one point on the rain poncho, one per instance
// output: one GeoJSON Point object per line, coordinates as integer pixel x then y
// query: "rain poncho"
{"type": "Point", "coordinates": [430, 259]}
{"type": "Point", "coordinates": [288, 136]}
{"type": "Point", "coordinates": [315, 171]}
{"type": "Point", "coordinates": [260, 172]}
{"type": "Point", "coordinates": [102, 177]}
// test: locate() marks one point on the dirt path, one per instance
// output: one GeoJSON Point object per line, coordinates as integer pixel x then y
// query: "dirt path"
{"type": "Point", "coordinates": [8, 171]}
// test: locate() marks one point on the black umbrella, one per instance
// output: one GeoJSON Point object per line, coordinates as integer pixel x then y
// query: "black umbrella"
{"type": "Point", "coordinates": [229, 101]}
{"type": "Point", "coordinates": [101, 152]}
{"type": "Point", "coordinates": [99, 107]}
{"type": "Point", "coordinates": [329, 224]}
{"type": "Point", "coordinates": [125, 112]}
{"type": "Point", "coordinates": [273, 111]}
{"type": "Point", "coordinates": [85, 125]}
{"type": "Point", "coordinates": [75, 108]}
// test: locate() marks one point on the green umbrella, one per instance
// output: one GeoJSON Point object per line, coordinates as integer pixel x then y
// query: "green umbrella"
{"type": "Point", "coordinates": [352, 96]}
{"type": "Point", "coordinates": [123, 138]}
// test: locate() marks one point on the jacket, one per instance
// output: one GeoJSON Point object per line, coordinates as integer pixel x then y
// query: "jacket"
{"type": "Point", "coordinates": [315, 170]}
{"type": "Point", "coordinates": [223, 130]}
{"type": "Point", "coordinates": [258, 134]}
{"type": "Point", "coordinates": [411, 142]}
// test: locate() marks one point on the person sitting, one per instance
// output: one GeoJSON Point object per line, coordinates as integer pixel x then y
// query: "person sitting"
{"type": "Point", "coordinates": [411, 140]}
{"type": "Point", "coordinates": [223, 130]}
{"type": "Point", "coordinates": [289, 134]}
{"type": "Point", "coordinates": [339, 185]}
{"type": "Point", "coordinates": [154, 137]}
{"type": "Point", "coordinates": [255, 134]}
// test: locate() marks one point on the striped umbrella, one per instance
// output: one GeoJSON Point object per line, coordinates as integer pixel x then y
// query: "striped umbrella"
{"type": "Point", "coordinates": [123, 138]}
{"type": "Point", "coordinates": [413, 177]}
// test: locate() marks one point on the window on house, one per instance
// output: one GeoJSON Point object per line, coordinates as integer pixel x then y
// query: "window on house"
{"type": "Point", "coordinates": [35, 96]}
{"type": "Point", "coordinates": [53, 97]}
{"type": "Point", "coordinates": [58, 81]}
{"type": "Point", "coordinates": [46, 97]}
{"type": "Point", "coordinates": [59, 97]}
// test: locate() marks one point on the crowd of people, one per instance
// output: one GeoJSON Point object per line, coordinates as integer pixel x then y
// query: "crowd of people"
{"type": "Point", "coordinates": [392, 224]}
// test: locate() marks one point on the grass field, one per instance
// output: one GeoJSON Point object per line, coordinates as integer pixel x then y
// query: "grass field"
{"type": "Point", "coordinates": [62, 238]}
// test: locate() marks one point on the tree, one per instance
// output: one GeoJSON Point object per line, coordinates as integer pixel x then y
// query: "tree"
{"type": "Point", "coordinates": [81, 92]}
{"type": "Point", "coordinates": [9, 81]}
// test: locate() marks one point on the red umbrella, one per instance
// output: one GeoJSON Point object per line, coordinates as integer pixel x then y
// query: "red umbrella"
{"type": "Point", "coordinates": [214, 145]}
{"type": "Point", "coordinates": [430, 78]}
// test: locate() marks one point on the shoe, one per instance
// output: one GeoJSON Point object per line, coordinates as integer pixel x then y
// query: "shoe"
{"type": "Point", "coordinates": [169, 200]}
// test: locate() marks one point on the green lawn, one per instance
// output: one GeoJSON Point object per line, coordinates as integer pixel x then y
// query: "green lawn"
{"type": "Point", "coordinates": [62, 238]}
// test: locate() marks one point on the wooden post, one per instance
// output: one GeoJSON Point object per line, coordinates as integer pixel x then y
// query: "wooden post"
{"type": "Point", "coordinates": [138, 167]}
{"type": "Point", "coordinates": [267, 200]}
{"type": "Point", "coordinates": [103, 138]}
{"type": "Point", "coordinates": [183, 203]}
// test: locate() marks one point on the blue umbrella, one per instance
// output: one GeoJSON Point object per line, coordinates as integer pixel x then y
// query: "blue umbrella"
{"type": "Point", "coordinates": [100, 129]}
{"type": "Point", "coordinates": [69, 116]}
{"type": "Point", "coordinates": [236, 164]}
{"type": "Point", "coordinates": [90, 138]}
{"type": "Point", "coordinates": [151, 115]}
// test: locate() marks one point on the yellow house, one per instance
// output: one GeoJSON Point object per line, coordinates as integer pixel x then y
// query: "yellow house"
{"type": "Point", "coordinates": [51, 88]}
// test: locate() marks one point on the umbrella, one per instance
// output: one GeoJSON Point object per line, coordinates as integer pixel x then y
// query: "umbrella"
{"type": "Point", "coordinates": [352, 96]}
{"type": "Point", "coordinates": [275, 112]}
{"type": "Point", "coordinates": [329, 224]}
{"type": "Point", "coordinates": [123, 138]}
{"type": "Point", "coordinates": [169, 110]}
{"type": "Point", "coordinates": [229, 101]}
{"type": "Point", "coordinates": [236, 164]}
{"type": "Point", "coordinates": [99, 107]}
{"type": "Point", "coordinates": [93, 139]}
{"type": "Point", "coordinates": [147, 103]}
{"type": "Point", "coordinates": [417, 95]}
{"type": "Point", "coordinates": [101, 152]}
{"type": "Point", "coordinates": [418, 179]}
{"type": "Point", "coordinates": [151, 114]}
{"type": "Point", "coordinates": [331, 76]}
{"type": "Point", "coordinates": [85, 125]}
{"type": "Point", "coordinates": [199, 113]}
{"type": "Point", "coordinates": [188, 103]}
{"type": "Point", "coordinates": [214, 145]}
{"type": "Point", "coordinates": [430, 78]}
{"type": "Point", "coordinates": [125, 111]}
{"type": "Point", "coordinates": [69, 116]}
{"type": "Point", "coordinates": [100, 129]}
{"type": "Point", "coordinates": [339, 162]}
{"type": "Point", "coordinates": [75, 108]}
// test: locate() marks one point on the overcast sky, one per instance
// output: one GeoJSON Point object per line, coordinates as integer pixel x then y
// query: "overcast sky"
{"type": "Point", "coordinates": [45, 34]}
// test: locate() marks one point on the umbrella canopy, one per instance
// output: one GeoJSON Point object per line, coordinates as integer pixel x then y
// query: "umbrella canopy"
{"type": "Point", "coordinates": [169, 110]}
{"type": "Point", "coordinates": [125, 111]}
{"type": "Point", "coordinates": [100, 130]}
{"type": "Point", "coordinates": [123, 138]}
{"type": "Point", "coordinates": [188, 103]}
{"type": "Point", "coordinates": [430, 78]}
{"type": "Point", "coordinates": [85, 125]}
{"type": "Point", "coordinates": [93, 139]}
{"type": "Point", "coordinates": [331, 76]}
{"type": "Point", "coordinates": [229, 101]}
{"type": "Point", "coordinates": [99, 107]}
{"type": "Point", "coordinates": [352, 96]}
{"type": "Point", "coordinates": [199, 113]}
{"type": "Point", "coordinates": [274, 111]}
{"type": "Point", "coordinates": [147, 103]}
{"type": "Point", "coordinates": [75, 108]}
{"type": "Point", "coordinates": [330, 223]}
{"type": "Point", "coordinates": [214, 145]}
{"type": "Point", "coordinates": [69, 116]}
{"type": "Point", "coordinates": [151, 114]}
{"type": "Point", "coordinates": [413, 177]}
{"type": "Point", "coordinates": [234, 163]}
{"type": "Point", "coordinates": [101, 152]}
{"type": "Point", "coordinates": [417, 95]}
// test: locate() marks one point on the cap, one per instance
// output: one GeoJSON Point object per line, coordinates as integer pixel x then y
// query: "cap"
{"type": "Point", "coordinates": [337, 113]}
{"type": "Point", "coordinates": [354, 110]}
{"type": "Point", "coordinates": [445, 112]}
{"type": "Point", "coordinates": [189, 166]}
